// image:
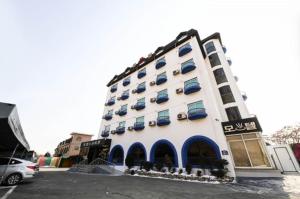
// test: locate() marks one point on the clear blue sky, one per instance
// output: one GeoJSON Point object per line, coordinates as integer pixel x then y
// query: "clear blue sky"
{"type": "Point", "coordinates": [57, 56]}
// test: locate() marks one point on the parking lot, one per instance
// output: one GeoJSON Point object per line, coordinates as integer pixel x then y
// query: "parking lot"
{"type": "Point", "coordinates": [62, 184]}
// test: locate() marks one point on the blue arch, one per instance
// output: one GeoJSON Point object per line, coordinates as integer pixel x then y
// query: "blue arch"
{"type": "Point", "coordinates": [139, 145]}
{"type": "Point", "coordinates": [112, 151]}
{"type": "Point", "coordinates": [196, 138]}
{"type": "Point", "coordinates": [159, 142]}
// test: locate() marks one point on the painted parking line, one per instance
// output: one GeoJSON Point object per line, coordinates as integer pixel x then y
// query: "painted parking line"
{"type": "Point", "coordinates": [8, 192]}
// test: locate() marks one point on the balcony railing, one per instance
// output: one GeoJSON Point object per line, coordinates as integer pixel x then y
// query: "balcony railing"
{"type": "Point", "coordinates": [140, 89]}
{"type": "Point", "coordinates": [163, 120]}
{"type": "Point", "coordinates": [110, 102]}
{"type": "Point", "coordinates": [141, 74]}
{"type": "Point", "coordinates": [138, 126]}
{"type": "Point", "coordinates": [161, 79]}
{"type": "Point", "coordinates": [184, 50]}
{"type": "Point", "coordinates": [160, 63]}
{"type": "Point", "coordinates": [113, 89]}
{"type": "Point", "coordinates": [191, 88]}
{"type": "Point", "coordinates": [122, 112]}
{"type": "Point", "coordinates": [107, 116]}
{"type": "Point", "coordinates": [187, 67]}
{"type": "Point", "coordinates": [125, 96]}
{"type": "Point", "coordinates": [126, 82]}
{"type": "Point", "coordinates": [105, 133]}
{"type": "Point", "coordinates": [163, 97]}
{"type": "Point", "coordinates": [139, 105]}
{"type": "Point", "coordinates": [197, 113]}
{"type": "Point", "coordinates": [120, 130]}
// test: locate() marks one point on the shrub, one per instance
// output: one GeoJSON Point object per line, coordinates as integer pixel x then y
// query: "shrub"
{"type": "Point", "coordinates": [132, 172]}
{"type": "Point", "coordinates": [173, 170]}
{"type": "Point", "coordinates": [180, 171]}
{"type": "Point", "coordinates": [219, 173]}
{"type": "Point", "coordinates": [188, 168]}
{"type": "Point", "coordinates": [220, 164]}
{"type": "Point", "coordinates": [147, 165]}
{"type": "Point", "coordinates": [142, 165]}
{"type": "Point", "coordinates": [129, 161]}
{"type": "Point", "coordinates": [159, 166]}
{"type": "Point", "coordinates": [199, 173]}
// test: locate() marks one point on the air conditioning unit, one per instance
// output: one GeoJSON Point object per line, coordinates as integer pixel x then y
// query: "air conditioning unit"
{"type": "Point", "coordinates": [152, 123]}
{"type": "Point", "coordinates": [176, 72]}
{"type": "Point", "coordinates": [152, 83]}
{"type": "Point", "coordinates": [181, 116]}
{"type": "Point", "coordinates": [153, 99]}
{"type": "Point", "coordinates": [118, 98]}
{"type": "Point", "coordinates": [113, 132]}
{"type": "Point", "coordinates": [130, 128]}
{"type": "Point", "coordinates": [133, 91]}
{"type": "Point", "coordinates": [179, 90]}
{"type": "Point", "coordinates": [132, 107]}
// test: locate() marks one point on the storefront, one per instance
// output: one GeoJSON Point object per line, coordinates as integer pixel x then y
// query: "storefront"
{"type": "Point", "coordinates": [94, 149]}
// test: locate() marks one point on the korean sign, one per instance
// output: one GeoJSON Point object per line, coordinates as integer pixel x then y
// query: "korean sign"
{"type": "Point", "coordinates": [241, 126]}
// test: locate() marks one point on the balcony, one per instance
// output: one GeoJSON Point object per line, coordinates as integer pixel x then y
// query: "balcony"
{"type": "Point", "coordinates": [140, 89]}
{"type": "Point", "coordinates": [197, 113]}
{"type": "Point", "coordinates": [120, 130]}
{"type": "Point", "coordinates": [138, 126]}
{"type": "Point", "coordinates": [141, 74]}
{"type": "Point", "coordinates": [187, 67]}
{"type": "Point", "coordinates": [191, 88]}
{"type": "Point", "coordinates": [184, 50]}
{"type": "Point", "coordinates": [163, 97]}
{"type": "Point", "coordinates": [107, 116]}
{"type": "Point", "coordinates": [126, 82]}
{"type": "Point", "coordinates": [161, 79]}
{"type": "Point", "coordinates": [124, 96]}
{"type": "Point", "coordinates": [105, 133]}
{"type": "Point", "coordinates": [163, 120]}
{"type": "Point", "coordinates": [139, 106]}
{"type": "Point", "coordinates": [113, 89]}
{"type": "Point", "coordinates": [122, 112]}
{"type": "Point", "coordinates": [160, 63]}
{"type": "Point", "coordinates": [110, 102]}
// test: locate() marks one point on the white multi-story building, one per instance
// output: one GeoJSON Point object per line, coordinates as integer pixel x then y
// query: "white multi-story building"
{"type": "Point", "coordinates": [182, 103]}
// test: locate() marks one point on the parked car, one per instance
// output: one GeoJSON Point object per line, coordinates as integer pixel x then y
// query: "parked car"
{"type": "Point", "coordinates": [17, 170]}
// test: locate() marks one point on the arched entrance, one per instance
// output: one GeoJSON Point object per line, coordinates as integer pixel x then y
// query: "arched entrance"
{"type": "Point", "coordinates": [116, 155]}
{"type": "Point", "coordinates": [163, 151]}
{"type": "Point", "coordinates": [138, 152]}
{"type": "Point", "coordinates": [200, 151]}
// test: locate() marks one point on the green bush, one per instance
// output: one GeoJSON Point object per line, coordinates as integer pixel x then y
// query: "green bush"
{"type": "Point", "coordinates": [199, 172]}
{"type": "Point", "coordinates": [147, 165]}
{"type": "Point", "coordinates": [159, 166]}
{"type": "Point", "coordinates": [180, 171]}
{"type": "Point", "coordinates": [219, 173]}
{"type": "Point", "coordinates": [129, 161]}
{"type": "Point", "coordinates": [188, 168]}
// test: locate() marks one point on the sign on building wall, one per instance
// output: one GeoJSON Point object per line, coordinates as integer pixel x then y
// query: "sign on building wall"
{"type": "Point", "coordinates": [241, 126]}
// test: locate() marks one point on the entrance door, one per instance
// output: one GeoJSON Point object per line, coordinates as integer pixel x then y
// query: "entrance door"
{"type": "Point", "coordinates": [285, 159]}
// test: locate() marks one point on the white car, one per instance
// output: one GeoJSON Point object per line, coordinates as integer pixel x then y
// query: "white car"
{"type": "Point", "coordinates": [16, 171]}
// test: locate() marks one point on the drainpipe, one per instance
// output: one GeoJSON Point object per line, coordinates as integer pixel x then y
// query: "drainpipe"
{"type": "Point", "coordinates": [5, 169]}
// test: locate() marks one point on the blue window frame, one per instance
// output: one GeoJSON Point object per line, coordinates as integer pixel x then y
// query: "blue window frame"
{"type": "Point", "coordinates": [142, 73]}
{"type": "Point", "coordinates": [185, 49]}
{"type": "Point", "coordinates": [210, 47]}
{"type": "Point", "coordinates": [160, 63]}
{"type": "Point", "coordinates": [196, 110]}
{"type": "Point", "coordinates": [114, 88]}
{"type": "Point", "coordinates": [105, 132]}
{"type": "Point", "coordinates": [162, 96]}
{"type": "Point", "coordinates": [191, 86]}
{"type": "Point", "coordinates": [140, 104]}
{"type": "Point", "coordinates": [121, 128]}
{"type": "Point", "coordinates": [188, 66]}
{"type": "Point", "coordinates": [126, 81]}
{"type": "Point", "coordinates": [141, 87]}
{"type": "Point", "coordinates": [125, 95]}
{"type": "Point", "coordinates": [163, 118]}
{"type": "Point", "coordinates": [111, 101]}
{"type": "Point", "coordinates": [161, 78]}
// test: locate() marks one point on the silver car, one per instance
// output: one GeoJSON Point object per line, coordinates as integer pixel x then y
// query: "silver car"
{"type": "Point", "coordinates": [16, 171]}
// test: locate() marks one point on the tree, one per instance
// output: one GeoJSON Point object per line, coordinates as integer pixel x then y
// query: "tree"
{"type": "Point", "coordinates": [287, 135]}
{"type": "Point", "coordinates": [47, 154]}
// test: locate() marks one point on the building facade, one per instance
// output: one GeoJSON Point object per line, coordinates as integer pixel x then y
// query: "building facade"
{"type": "Point", "coordinates": [182, 103]}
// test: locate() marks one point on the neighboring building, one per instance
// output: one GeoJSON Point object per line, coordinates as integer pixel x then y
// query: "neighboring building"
{"type": "Point", "coordinates": [69, 149]}
{"type": "Point", "coordinates": [12, 137]}
{"type": "Point", "coordinates": [182, 102]}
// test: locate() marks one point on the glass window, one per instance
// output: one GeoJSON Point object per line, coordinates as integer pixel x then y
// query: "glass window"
{"type": "Point", "coordinates": [107, 128]}
{"type": "Point", "coordinates": [115, 86]}
{"type": "Point", "coordinates": [143, 70]}
{"type": "Point", "coordinates": [239, 154]}
{"type": "Point", "coordinates": [233, 113]}
{"type": "Point", "coordinates": [220, 76]}
{"type": "Point", "coordinates": [113, 98]}
{"type": "Point", "coordinates": [140, 119]}
{"type": "Point", "coordinates": [122, 124]}
{"type": "Point", "coordinates": [188, 62]}
{"type": "Point", "coordinates": [226, 94]}
{"type": "Point", "coordinates": [191, 81]}
{"type": "Point", "coordinates": [110, 112]}
{"type": "Point", "coordinates": [126, 92]}
{"type": "Point", "coordinates": [127, 79]}
{"type": "Point", "coordinates": [196, 105]}
{"type": "Point", "coordinates": [163, 92]}
{"type": "Point", "coordinates": [185, 46]}
{"type": "Point", "coordinates": [164, 113]}
{"type": "Point", "coordinates": [214, 59]}
{"type": "Point", "coordinates": [210, 47]}
{"type": "Point", "coordinates": [141, 85]}
{"type": "Point", "coordinates": [162, 75]}
{"type": "Point", "coordinates": [142, 100]}
{"type": "Point", "coordinates": [124, 107]}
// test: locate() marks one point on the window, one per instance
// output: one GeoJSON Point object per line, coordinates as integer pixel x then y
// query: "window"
{"type": "Point", "coordinates": [126, 92]}
{"type": "Point", "coordinates": [191, 82]}
{"type": "Point", "coordinates": [142, 73]}
{"type": "Point", "coordinates": [196, 105]}
{"type": "Point", "coordinates": [214, 60]}
{"type": "Point", "coordinates": [183, 50]}
{"type": "Point", "coordinates": [187, 66]}
{"type": "Point", "coordinates": [220, 76]}
{"type": "Point", "coordinates": [233, 113]}
{"type": "Point", "coordinates": [107, 128]}
{"type": "Point", "coordinates": [142, 100]}
{"type": "Point", "coordinates": [142, 85]}
{"type": "Point", "coordinates": [226, 94]}
{"type": "Point", "coordinates": [161, 78]}
{"type": "Point", "coordinates": [162, 75]}
{"type": "Point", "coordinates": [162, 93]}
{"type": "Point", "coordinates": [140, 119]}
{"type": "Point", "coordinates": [110, 112]}
{"type": "Point", "coordinates": [160, 63]}
{"type": "Point", "coordinates": [124, 107]}
{"type": "Point", "coordinates": [122, 124]}
{"type": "Point", "coordinates": [114, 88]}
{"type": "Point", "coordinates": [163, 114]}
{"type": "Point", "coordinates": [247, 150]}
{"type": "Point", "coordinates": [126, 81]}
{"type": "Point", "coordinates": [210, 47]}
{"type": "Point", "coordinates": [113, 98]}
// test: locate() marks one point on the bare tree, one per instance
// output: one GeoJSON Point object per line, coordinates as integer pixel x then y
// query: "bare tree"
{"type": "Point", "coordinates": [287, 135]}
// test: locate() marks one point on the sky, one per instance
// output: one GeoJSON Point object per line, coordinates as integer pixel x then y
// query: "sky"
{"type": "Point", "coordinates": [57, 56]}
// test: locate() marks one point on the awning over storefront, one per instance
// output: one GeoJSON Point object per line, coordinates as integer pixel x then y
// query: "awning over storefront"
{"type": "Point", "coordinates": [11, 132]}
